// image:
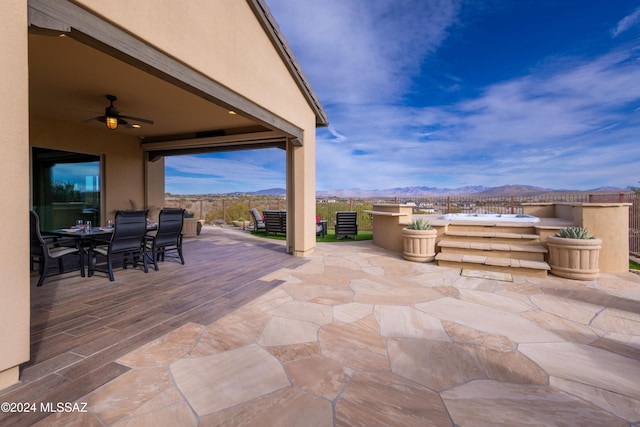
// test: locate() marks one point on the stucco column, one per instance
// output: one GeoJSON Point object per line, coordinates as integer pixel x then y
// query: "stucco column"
{"type": "Point", "coordinates": [14, 190]}
{"type": "Point", "coordinates": [154, 181]}
{"type": "Point", "coordinates": [609, 222]}
{"type": "Point", "coordinates": [301, 194]}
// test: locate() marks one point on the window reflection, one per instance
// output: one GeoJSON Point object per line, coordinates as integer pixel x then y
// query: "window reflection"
{"type": "Point", "coordinates": [66, 187]}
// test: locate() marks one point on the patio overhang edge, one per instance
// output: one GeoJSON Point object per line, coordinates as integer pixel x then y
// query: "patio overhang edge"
{"type": "Point", "coordinates": [246, 141]}
{"type": "Point", "coordinates": [65, 17]}
{"type": "Point", "coordinates": [269, 24]}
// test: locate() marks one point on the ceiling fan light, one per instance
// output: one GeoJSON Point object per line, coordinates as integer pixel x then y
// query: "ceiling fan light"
{"type": "Point", "coordinates": [111, 122]}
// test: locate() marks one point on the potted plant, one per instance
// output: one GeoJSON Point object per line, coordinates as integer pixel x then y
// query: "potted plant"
{"type": "Point", "coordinates": [574, 253]}
{"type": "Point", "coordinates": [419, 241]}
{"type": "Point", "coordinates": [189, 224]}
{"type": "Point", "coordinates": [241, 222]}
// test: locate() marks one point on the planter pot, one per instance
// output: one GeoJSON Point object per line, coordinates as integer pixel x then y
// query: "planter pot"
{"type": "Point", "coordinates": [574, 258]}
{"type": "Point", "coordinates": [419, 245]}
{"type": "Point", "coordinates": [190, 227]}
{"type": "Point", "coordinates": [243, 224]}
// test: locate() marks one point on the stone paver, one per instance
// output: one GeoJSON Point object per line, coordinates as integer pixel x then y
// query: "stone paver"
{"type": "Point", "coordinates": [358, 336]}
{"type": "Point", "coordinates": [223, 380]}
{"type": "Point", "coordinates": [491, 403]}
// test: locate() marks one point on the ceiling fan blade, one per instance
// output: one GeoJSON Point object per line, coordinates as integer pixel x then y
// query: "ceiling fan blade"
{"type": "Point", "coordinates": [94, 119]}
{"type": "Point", "coordinates": [137, 119]}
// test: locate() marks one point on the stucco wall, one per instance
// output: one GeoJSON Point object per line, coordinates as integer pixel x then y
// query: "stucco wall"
{"type": "Point", "coordinates": [123, 159]}
{"type": "Point", "coordinates": [224, 40]}
{"type": "Point", "coordinates": [14, 192]}
{"type": "Point", "coordinates": [155, 187]}
{"type": "Point", "coordinates": [387, 230]}
{"type": "Point", "coordinates": [304, 196]}
{"type": "Point", "coordinates": [221, 39]}
{"type": "Point", "coordinates": [609, 222]}
{"type": "Point", "coordinates": [541, 210]}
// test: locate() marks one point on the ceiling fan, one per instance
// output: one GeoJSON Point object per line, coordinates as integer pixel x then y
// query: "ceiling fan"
{"type": "Point", "coordinates": [112, 117]}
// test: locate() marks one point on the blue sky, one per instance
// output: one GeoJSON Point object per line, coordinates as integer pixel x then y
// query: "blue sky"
{"type": "Point", "coordinates": [450, 93]}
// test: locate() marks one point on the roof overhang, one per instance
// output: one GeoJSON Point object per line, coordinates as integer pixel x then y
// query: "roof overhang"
{"type": "Point", "coordinates": [70, 76]}
{"type": "Point", "coordinates": [271, 27]}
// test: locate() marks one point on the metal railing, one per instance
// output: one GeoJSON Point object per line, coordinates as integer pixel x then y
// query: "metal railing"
{"type": "Point", "coordinates": [225, 208]}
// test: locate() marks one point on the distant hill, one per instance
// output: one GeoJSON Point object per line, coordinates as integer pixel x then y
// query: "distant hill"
{"type": "Point", "coordinates": [520, 190]}
{"type": "Point", "coordinates": [271, 192]}
{"type": "Point", "coordinates": [402, 192]}
{"type": "Point", "coordinates": [501, 191]}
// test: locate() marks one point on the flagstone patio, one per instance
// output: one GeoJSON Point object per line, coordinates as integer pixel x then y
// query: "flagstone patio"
{"type": "Point", "coordinates": [358, 336]}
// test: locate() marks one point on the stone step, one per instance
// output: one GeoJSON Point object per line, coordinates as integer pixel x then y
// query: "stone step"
{"type": "Point", "coordinates": [494, 236]}
{"type": "Point", "coordinates": [531, 252]}
{"type": "Point", "coordinates": [503, 265]}
{"type": "Point", "coordinates": [503, 227]}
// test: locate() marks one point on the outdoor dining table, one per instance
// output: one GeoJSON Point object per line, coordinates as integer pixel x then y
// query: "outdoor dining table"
{"type": "Point", "coordinates": [81, 235]}
{"type": "Point", "coordinates": [82, 238]}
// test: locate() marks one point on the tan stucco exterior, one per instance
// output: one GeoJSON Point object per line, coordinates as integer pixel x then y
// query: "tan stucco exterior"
{"type": "Point", "coordinates": [229, 27]}
{"type": "Point", "coordinates": [211, 30]}
{"type": "Point", "coordinates": [606, 221]}
{"type": "Point", "coordinates": [388, 222]}
{"type": "Point", "coordinates": [14, 189]}
{"type": "Point", "coordinates": [229, 45]}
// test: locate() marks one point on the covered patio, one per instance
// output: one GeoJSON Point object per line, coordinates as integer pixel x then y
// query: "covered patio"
{"type": "Point", "coordinates": [351, 335]}
{"type": "Point", "coordinates": [217, 76]}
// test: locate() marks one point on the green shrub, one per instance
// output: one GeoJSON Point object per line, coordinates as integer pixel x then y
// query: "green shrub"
{"type": "Point", "coordinates": [419, 224]}
{"type": "Point", "coordinates": [574, 233]}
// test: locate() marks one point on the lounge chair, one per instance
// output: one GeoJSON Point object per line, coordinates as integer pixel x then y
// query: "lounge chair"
{"type": "Point", "coordinates": [256, 218]}
{"type": "Point", "coordinates": [275, 221]}
{"type": "Point", "coordinates": [321, 227]}
{"type": "Point", "coordinates": [346, 224]}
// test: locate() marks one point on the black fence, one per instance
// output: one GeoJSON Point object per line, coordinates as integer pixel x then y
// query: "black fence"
{"type": "Point", "coordinates": [225, 208]}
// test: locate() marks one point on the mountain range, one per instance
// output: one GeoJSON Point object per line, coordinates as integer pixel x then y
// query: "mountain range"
{"type": "Point", "coordinates": [505, 190]}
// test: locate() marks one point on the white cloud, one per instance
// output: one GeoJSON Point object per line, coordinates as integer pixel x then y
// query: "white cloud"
{"type": "Point", "coordinates": [626, 23]}
{"type": "Point", "coordinates": [572, 122]}
{"type": "Point", "coordinates": [568, 125]}
{"type": "Point", "coordinates": [357, 51]}
{"type": "Point", "coordinates": [240, 171]}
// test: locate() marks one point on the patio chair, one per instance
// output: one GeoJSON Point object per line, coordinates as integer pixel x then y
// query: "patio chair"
{"type": "Point", "coordinates": [256, 218]}
{"type": "Point", "coordinates": [346, 224]}
{"type": "Point", "coordinates": [275, 221]}
{"type": "Point", "coordinates": [43, 251]}
{"type": "Point", "coordinates": [321, 227]}
{"type": "Point", "coordinates": [127, 240]}
{"type": "Point", "coordinates": [168, 238]}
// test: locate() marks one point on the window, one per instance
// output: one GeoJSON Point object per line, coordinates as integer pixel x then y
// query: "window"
{"type": "Point", "coordinates": [66, 187]}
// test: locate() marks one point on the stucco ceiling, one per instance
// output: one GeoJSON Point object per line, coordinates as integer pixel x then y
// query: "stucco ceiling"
{"type": "Point", "coordinates": [68, 81]}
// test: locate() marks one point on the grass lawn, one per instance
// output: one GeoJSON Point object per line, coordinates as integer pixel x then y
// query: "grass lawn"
{"type": "Point", "coordinates": [633, 265]}
{"type": "Point", "coordinates": [330, 237]}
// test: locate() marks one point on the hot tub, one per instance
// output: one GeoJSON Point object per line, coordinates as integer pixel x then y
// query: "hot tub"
{"type": "Point", "coordinates": [490, 217]}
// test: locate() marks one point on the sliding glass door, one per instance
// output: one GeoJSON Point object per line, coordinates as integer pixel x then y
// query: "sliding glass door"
{"type": "Point", "coordinates": [66, 187]}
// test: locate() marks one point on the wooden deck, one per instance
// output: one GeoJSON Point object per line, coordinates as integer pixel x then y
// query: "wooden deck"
{"type": "Point", "coordinates": [81, 326]}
